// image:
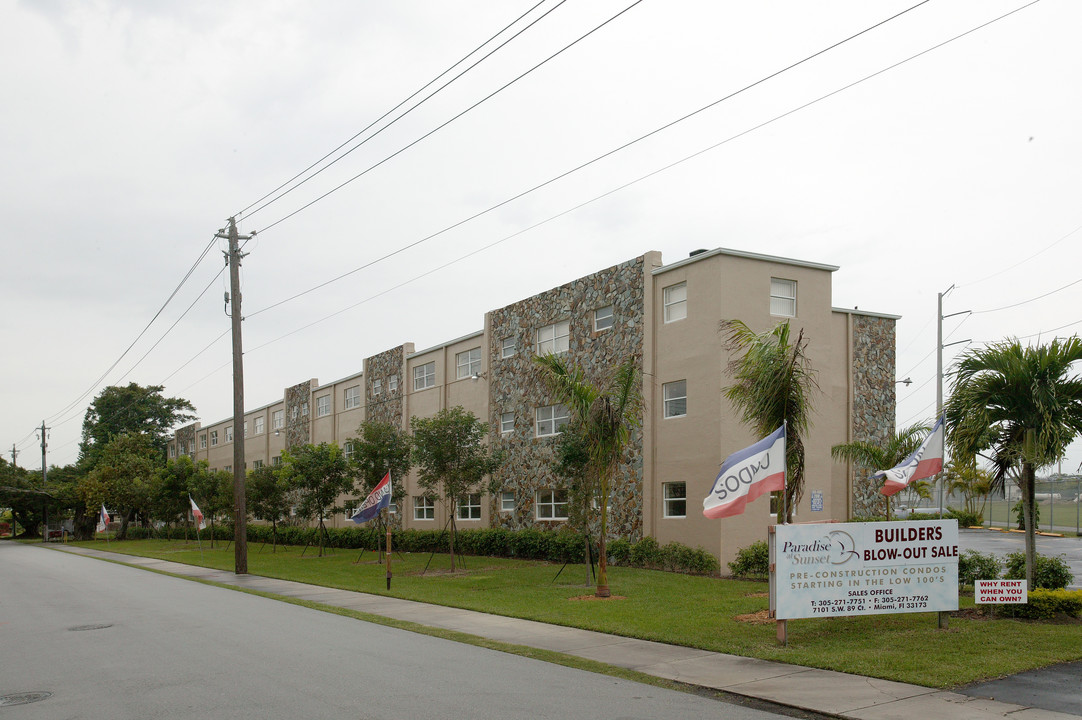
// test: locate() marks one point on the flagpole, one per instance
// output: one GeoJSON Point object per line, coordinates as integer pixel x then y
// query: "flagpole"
{"type": "Point", "coordinates": [387, 524]}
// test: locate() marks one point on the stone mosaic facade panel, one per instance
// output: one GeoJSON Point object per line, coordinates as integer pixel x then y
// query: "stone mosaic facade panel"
{"type": "Point", "coordinates": [873, 400]}
{"type": "Point", "coordinates": [516, 386]}
{"type": "Point", "coordinates": [387, 406]}
{"type": "Point", "coordinates": [298, 425]}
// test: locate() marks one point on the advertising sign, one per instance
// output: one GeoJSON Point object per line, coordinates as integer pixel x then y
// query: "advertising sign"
{"type": "Point", "coordinates": [839, 569]}
{"type": "Point", "coordinates": [1000, 591]}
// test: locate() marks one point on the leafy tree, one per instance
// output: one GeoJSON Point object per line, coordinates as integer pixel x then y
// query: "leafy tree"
{"type": "Point", "coordinates": [21, 490]}
{"type": "Point", "coordinates": [269, 497]}
{"type": "Point", "coordinates": [452, 458]}
{"type": "Point", "coordinates": [169, 494]}
{"type": "Point", "coordinates": [572, 463]}
{"type": "Point", "coordinates": [1024, 405]}
{"type": "Point", "coordinates": [132, 409]}
{"type": "Point", "coordinates": [971, 482]}
{"type": "Point", "coordinates": [212, 491]}
{"type": "Point", "coordinates": [606, 416]}
{"type": "Point", "coordinates": [381, 448]}
{"type": "Point", "coordinates": [320, 475]}
{"type": "Point", "coordinates": [773, 384]}
{"type": "Point", "coordinates": [870, 457]}
{"type": "Point", "coordinates": [122, 478]}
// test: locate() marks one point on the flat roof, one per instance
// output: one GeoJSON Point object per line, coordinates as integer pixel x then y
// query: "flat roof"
{"type": "Point", "coordinates": [479, 333]}
{"type": "Point", "coordinates": [744, 254]}
{"type": "Point", "coordinates": [869, 313]}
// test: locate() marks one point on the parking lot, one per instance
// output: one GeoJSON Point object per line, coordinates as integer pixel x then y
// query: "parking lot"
{"type": "Point", "coordinates": [1002, 543]}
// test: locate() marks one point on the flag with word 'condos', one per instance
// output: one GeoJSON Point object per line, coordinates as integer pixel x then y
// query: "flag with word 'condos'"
{"type": "Point", "coordinates": [379, 498]}
{"type": "Point", "coordinates": [198, 514]}
{"type": "Point", "coordinates": [925, 461]}
{"type": "Point", "coordinates": [103, 520]}
{"type": "Point", "coordinates": [747, 474]}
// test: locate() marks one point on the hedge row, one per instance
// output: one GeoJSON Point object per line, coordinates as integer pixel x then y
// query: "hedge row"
{"type": "Point", "coordinates": [529, 544]}
{"type": "Point", "coordinates": [1045, 605]}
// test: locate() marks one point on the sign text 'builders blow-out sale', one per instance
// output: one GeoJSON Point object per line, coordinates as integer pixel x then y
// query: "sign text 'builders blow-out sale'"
{"type": "Point", "coordinates": [833, 570]}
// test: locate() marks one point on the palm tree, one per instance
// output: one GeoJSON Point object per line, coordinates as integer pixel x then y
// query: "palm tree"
{"type": "Point", "coordinates": [773, 384]}
{"type": "Point", "coordinates": [872, 456]}
{"type": "Point", "coordinates": [1021, 403]}
{"type": "Point", "coordinates": [605, 416]}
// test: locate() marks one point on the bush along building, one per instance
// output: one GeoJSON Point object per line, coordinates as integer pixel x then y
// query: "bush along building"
{"type": "Point", "coordinates": [665, 316]}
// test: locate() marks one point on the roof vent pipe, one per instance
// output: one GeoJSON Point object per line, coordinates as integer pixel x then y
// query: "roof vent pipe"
{"type": "Point", "coordinates": [693, 253]}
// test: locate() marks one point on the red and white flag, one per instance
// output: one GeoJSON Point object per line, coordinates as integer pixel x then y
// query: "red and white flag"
{"type": "Point", "coordinates": [925, 461]}
{"type": "Point", "coordinates": [103, 520]}
{"type": "Point", "coordinates": [747, 474]}
{"type": "Point", "coordinates": [197, 513]}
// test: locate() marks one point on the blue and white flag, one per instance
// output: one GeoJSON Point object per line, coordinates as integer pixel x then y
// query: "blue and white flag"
{"type": "Point", "coordinates": [379, 498]}
{"type": "Point", "coordinates": [747, 474]}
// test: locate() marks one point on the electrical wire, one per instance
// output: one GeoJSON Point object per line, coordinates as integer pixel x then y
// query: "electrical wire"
{"type": "Point", "coordinates": [1026, 302]}
{"type": "Point", "coordinates": [396, 107]}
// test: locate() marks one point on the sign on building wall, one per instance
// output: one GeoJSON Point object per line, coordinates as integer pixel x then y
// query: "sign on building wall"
{"type": "Point", "coordinates": [817, 500]}
{"type": "Point", "coordinates": [839, 569]}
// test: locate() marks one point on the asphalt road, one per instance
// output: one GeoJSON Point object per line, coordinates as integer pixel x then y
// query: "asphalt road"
{"type": "Point", "coordinates": [118, 642]}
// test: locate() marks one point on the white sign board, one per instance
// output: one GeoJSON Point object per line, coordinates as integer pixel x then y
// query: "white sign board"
{"type": "Point", "coordinates": [838, 569]}
{"type": "Point", "coordinates": [1000, 591]}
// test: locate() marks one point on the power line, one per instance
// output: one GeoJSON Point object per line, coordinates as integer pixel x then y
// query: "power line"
{"type": "Point", "coordinates": [1023, 262]}
{"type": "Point", "coordinates": [400, 104]}
{"type": "Point", "coordinates": [1026, 302]}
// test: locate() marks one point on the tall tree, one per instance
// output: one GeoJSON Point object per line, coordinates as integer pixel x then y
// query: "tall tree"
{"type": "Point", "coordinates": [320, 475]}
{"type": "Point", "coordinates": [452, 458]}
{"type": "Point", "coordinates": [169, 493]}
{"type": "Point", "coordinates": [21, 491]}
{"type": "Point", "coordinates": [773, 384]}
{"type": "Point", "coordinates": [270, 496]}
{"type": "Point", "coordinates": [122, 478]}
{"type": "Point", "coordinates": [572, 464]}
{"type": "Point", "coordinates": [213, 493]}
{"type": "Point", "coordinates": [869, 457]}
{"type": "Point", "coordinates": [1023, 404]}
{"type": "Point", "coordinates": [605, 415]}
{"type": "Point", "coordinates": [381, 448]}
{"type": "Point", "coordinates": [131, 409]}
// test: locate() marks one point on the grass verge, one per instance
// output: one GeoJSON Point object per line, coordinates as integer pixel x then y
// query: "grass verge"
{"type": "Point", "coordinates": [685, 610]}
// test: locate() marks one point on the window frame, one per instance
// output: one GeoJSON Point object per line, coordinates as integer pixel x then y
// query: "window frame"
{"type": "Point", "coordinates": [392, 384]}
{"type": "Point", "coordinates": [667, 500]}
{"type": "Point", "coordinates": [611, 318]}
{"type": "Point", "coordinates": [467, 509]}
{"type": "Point", "coordinates": [504, 419]}
{"type": "Point", "coordinates": [351, 397]}
{"type": "Point", "coordinates": [670, 305]}
{"type": "Point", "coordinates": [507, 347]}
{"type": "Point", "coordinates": [468, 363]}
{"type": "Point", "coordinates": [278, 419]}
{"type": "Point", "coordinates": [229, 433]}
{"type": "Point", "coordinates": [553, 417]}
{"type": "Point", "coordinates": [213, 438]}
{"type": "Point", "coordinates": [504, 497]}
{"type": "Point", "coordinates": [203, 441]}
{"type": "Point", "coordinates": [377, 387]}
{"type": "Point", "coordinates": [789, 299]}
{"type": "Point", "coordinates": [424, 508]}
{"type": "Point", "coordinates": [347, 450]}
{"type": "Point", "coordinates": [552, 503]}
{"type": "Point", "coordinates": [259, 424]}
{"type": "Point", "coordinates": [553, 342]}
{"type": "Point", "coordinates": [666, 400]}
{"type": "Point", "coordinates": [424, 376]}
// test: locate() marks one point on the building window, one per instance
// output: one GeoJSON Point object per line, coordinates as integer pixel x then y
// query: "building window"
{"type": "Point", "coordinates": [353, 397]}
{"type": "Point", "coordinates": [507, 502]}
{"type": "Point", "coordinates": [424, 376]}
{"type": "Point", "coordinates": [245, 428]}
{"type": "Point", "coordinates": [783, 297]}
{"type": "Point", "coordinates": [172, 450]}
{"type": "Point", "coordinates": [347, 450]}
{"type": "Point", "coordinates": [191, 446]}
{"type": "Point", "coordinates": [279, 419]}
{"type": "Point", "coordinates": [228, 468]}
{"type": "Point", "coordinates": [392, 509]}
{"type": "Point", "coordinates": [676, 499]}
{"type": "Point", "coordinates": [676, 302]}
{"type": "Point", "coordinates": [776, 503]}
{"type": "Point", "coordinates": [468, 363]}
{"type": "Point", "coordinates": [203, 441]}
{"type": "Point", "coordinates": [507, 347]}
{"type": "Point", "coordinates": [469, 507]}
{"type": "Point", "coordinates": [553, 339]}
{"type": "Point", "coordinates": [304, 409]}
{"type": "Point", "coordinates": [392, 384]}
{"type": "Point", "coordinates": [229, 434]}
{"type": "Point", "coordinates": [551, 420]}
{"type": "Point", "coordinates": [293, 412]}
{"type": "Point", "coordinates": [256, 464]}
{"type": "Point", "coordinates": [259, 425]}
{"type": "Point", "coordinates": [551, 505]}
{"type": "Point", "coordinates": [507, 422]}
{"type": "Point", "coordinates": [213, 438]}
{"type": "Point", "coordinates": [276, 460]}
{"type": "Point", "coordinates": [377, 387]}
{"type": "Point", "coordinates": [424, 508]}
{"type": "Point", "coordinates": [323, 405]}
{"type": "Point", "coordinates": [603, 318]}
{"type": "Point", "coordinates": [676, 398]}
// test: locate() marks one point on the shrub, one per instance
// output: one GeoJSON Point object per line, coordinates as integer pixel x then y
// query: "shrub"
{"type": "Point", "coordinates": [974, 565]}
{"type": "Point", "coordinates": [1019, 511]}
{"type": "Point", "coordinates": [965, 519]}
{"type": "Point", "coordinates": [752, 561]}
{"type": "Point", "coordinates": [619, 551]}
{"type": "Point", "coordinates": [1051, 573]}
{"type": "Point", "coordinates": [646, 553]}
{"type": "Point", "coordinates": [1045, 605]}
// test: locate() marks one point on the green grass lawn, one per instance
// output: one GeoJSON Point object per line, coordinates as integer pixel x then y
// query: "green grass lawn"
{"type": "Point", "coordinates": [671, 608]}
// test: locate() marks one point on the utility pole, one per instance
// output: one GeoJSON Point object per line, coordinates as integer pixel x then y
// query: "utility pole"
{"type": "Point", "coordinates": [14, 454]}
{"type": "Point", "coordinates": [44, 497]}
{"type": "Point", "coordinates": [240, 510]}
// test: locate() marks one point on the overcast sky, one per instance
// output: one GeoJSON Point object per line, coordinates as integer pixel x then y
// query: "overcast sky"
{"type": "Point", "coordinates": [132, 130]}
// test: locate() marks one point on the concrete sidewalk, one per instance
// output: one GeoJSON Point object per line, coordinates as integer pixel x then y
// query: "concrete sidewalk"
{"type": "Point", "coordinates": [823, 691]}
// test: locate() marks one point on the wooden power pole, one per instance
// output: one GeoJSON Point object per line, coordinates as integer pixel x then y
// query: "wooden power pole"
{"type": "Point", "coordinates": [240, 510]}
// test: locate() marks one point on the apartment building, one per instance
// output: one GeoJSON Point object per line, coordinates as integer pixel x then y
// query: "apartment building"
{"type": "Point", "coordinates": [667, 317]}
